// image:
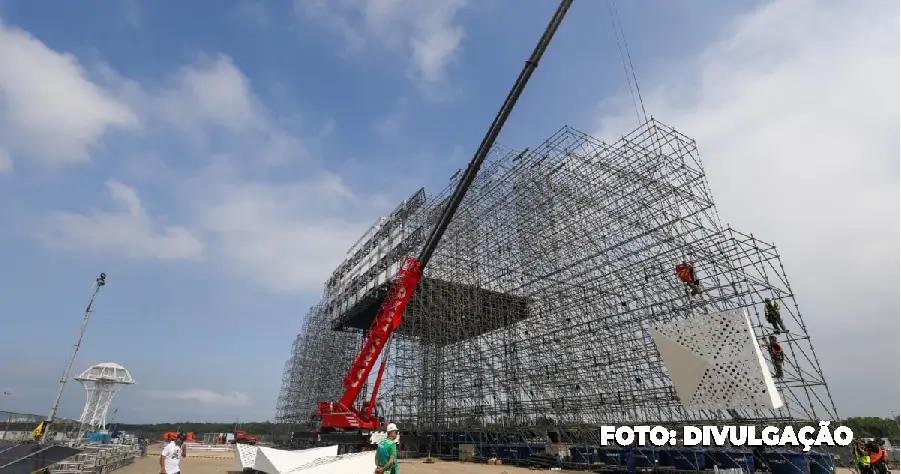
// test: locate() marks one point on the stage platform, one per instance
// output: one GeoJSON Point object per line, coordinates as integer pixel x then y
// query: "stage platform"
{"type": "Point", "coordinates": [484, 310]}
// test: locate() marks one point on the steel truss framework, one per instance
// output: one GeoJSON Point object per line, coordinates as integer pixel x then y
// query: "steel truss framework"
{"type": "Point", "coordinates": [582, 237]}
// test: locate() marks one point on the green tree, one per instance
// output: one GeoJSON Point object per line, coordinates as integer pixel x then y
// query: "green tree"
{"type": "Point", "coordinates": [874, 426]}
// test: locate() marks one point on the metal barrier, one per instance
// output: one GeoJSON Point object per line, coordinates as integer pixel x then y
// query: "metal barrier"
{"type": "Point", "coordinates": [208, 447]}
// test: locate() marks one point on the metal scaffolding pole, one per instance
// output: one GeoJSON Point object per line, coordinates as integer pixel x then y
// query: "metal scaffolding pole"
{"type": "Point", "coordinates": [534, 312]}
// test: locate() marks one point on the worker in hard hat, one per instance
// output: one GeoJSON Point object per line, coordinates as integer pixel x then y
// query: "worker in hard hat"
{"type": "Point", "coordinates": [386, 453]}
{"type": "Point", "coordinates": [686, 273]}
{"type": "Point", "coordinates": [776, 355]}
{"type": "Point", "coordinates": [878, 457]}
{"type": "Point", "coordinates": [861, 455]}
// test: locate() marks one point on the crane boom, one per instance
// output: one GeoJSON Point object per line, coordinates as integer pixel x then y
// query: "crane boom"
{"type": "Point", "coordinates": [342, 415]}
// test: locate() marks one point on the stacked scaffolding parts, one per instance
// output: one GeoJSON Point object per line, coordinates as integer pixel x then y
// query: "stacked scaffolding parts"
{"type": "Point", "coordinates": [534, 313]}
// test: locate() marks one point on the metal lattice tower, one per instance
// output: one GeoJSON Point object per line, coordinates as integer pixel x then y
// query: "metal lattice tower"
{"type": "Point", "coordinates": [101, 384]}
{"type": "Point", "coordinates": [535, 309]}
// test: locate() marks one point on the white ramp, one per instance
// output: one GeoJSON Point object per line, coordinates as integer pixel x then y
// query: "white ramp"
{"type": "Point", "coordinates": [715, 362]}
{"type": "Point", "coordinates": [353, 463]}
{"type": "Point", "coordinates": [245, 456]}
{"type": "Point", "coordinates": [279, 461]}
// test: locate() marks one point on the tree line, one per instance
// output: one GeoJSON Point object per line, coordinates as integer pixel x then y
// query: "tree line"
{"type": "Point", "coordinates": [863, 427]}
{"type": "Point", "coordinates": [156, 430]}
{"type": "Point", "coordinates": [874, 427]}
{"type": "Point", "coordinates": [261, 428]}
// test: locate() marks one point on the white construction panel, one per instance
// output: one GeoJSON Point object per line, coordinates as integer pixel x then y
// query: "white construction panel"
{"type": "Point", "coordinates": [715, 362]}
{"type": "Point", "coordinates": [245, 456]}
{"type": "Point", "coordinates": [351, 463]}
{"type": "Point", "coordinates": [278, 461]}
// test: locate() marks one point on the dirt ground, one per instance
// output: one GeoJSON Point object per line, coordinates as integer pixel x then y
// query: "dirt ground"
{"type": "Point", "coordinates": [211, 465]}
{"type": "Point", "coordinates": [224, 463]}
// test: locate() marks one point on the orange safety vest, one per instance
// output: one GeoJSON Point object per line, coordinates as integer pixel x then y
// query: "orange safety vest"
{"type": "Point", "coordinates": [878, 456]}
{"type": "Point", "coordinates": [685, 273]}
{"type": "Point", "coordinates": [775, 348]}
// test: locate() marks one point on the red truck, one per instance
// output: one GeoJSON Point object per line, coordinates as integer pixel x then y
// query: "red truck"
{"type": "Point", "coordinates": [244, 438]}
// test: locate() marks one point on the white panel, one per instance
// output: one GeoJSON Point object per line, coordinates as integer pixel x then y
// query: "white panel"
{"type": "Point", "coordinates": [353, 463]}
{"type": "Point", "coordinates": [338, 293]}
{"type": "Point", "coordinates": [686, 368]}
{"type": "Point", "coordinates": [735, 373]}
{"type": "Point", "coordinates": [278, 461]}
{"type": "Point", "coordinates": [245, 455]}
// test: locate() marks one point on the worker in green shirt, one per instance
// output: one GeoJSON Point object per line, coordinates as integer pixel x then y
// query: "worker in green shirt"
{"type": "Point", "coordinates": [386, 453]}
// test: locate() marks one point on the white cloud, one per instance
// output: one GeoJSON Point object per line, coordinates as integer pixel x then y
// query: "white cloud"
{"type": "Point", "coordinates": [796, 116]}
{"type": "Point", "coordinates": [49, 111]}
{"type": "Point", "coordinates": [282, 237]}
{"type": "Point", "coordinates": [285, 237]}
{"type": "Point", "coordinates": [213, 95]}
{"type": "Point", "coordinates": [271, 239]}
{"type": "Point", "coordinates": [200, 395]}
{"type": "Point", "coordinates": [427, 32]}
{"type": "Point", "coordinates": [211, 92]}
{"type": "Point", "coordinates": [129, 231]}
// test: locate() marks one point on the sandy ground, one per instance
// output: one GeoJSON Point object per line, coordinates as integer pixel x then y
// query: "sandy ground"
{"type": "Point", "coordinates": [151, 465]}
{"type": "Point", "coordinates": [211, 465]}
{"type": "Point", "coordinates": [224, 463]}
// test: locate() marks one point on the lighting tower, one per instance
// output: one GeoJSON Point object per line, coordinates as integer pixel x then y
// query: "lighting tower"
{"type": "Point", "coordinates": [101, 383]}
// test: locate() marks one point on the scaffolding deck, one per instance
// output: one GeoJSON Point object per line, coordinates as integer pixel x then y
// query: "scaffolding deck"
{"type": "Point", "coordinates": [477, 310]}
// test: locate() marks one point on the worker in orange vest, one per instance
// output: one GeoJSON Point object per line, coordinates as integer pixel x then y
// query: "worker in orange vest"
{"type": "Point", "coordinates": [686, 273]}
{"type": "Point", "coordinates": [878, 457]}
{"type": "Point", "coordinates": [776, 355]}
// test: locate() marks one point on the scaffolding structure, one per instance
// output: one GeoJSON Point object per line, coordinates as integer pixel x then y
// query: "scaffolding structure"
{"type": "Point", "coordinates": [533, 315]}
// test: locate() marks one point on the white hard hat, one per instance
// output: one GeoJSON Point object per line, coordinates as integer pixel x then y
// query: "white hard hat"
{"type": "Point", "coordinates": [391, 427]}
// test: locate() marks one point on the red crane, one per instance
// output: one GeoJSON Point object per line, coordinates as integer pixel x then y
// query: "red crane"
{"type": "Point", "coordinates": [341, 415]}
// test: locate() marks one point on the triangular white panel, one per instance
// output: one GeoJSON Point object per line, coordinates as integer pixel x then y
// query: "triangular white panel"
{"type": "Point", "coordinates": [735, 374]}
{"type": "Point", "coordinates": [685, 367]}
{"type": "Point", "coordinates": [344, 464]}
{"type": "Point", "coordinates": [245, 455]}
{"type": "Point", "coordinates": [278, 461]}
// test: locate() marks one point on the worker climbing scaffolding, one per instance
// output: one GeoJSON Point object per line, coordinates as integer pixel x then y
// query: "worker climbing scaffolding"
{"type": "Point", "coordinates": [776, 355]}
{"type": "Point", "coordinates": [771, 313]}
{"type": "Point", "coordinates": [686, 273]}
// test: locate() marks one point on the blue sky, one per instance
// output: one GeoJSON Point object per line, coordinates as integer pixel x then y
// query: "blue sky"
{"type": "Point", "coordinates": [216, 159]}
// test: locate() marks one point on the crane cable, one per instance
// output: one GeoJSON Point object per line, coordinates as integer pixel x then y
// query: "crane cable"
{"type": "Point", "coordinates": [640, 111]}
{"type": "Point", "coordinates": [626, 58]}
